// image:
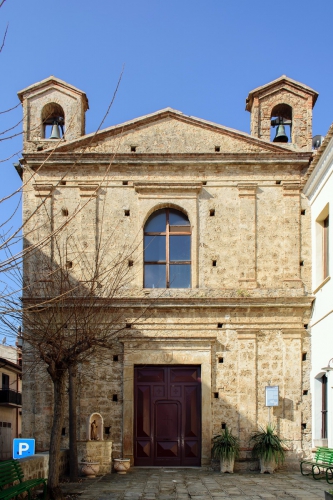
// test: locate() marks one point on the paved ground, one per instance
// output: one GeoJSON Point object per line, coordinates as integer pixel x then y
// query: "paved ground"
{"type": "Point", "coordinates": [198, 484]}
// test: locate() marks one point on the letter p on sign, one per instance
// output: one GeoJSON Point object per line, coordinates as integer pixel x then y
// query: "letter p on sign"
{"type": "Point", "coordinates": [23, 448]}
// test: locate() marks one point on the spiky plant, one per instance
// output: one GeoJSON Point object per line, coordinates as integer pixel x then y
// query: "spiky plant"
{"type": "Point", "coordinates": [267, 445]}
{"type": "Point", "coordinates": [225, 446]}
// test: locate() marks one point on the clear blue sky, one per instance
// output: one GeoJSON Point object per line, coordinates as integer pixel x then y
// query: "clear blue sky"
{"type": "Point", "coordinates": [199, 56]}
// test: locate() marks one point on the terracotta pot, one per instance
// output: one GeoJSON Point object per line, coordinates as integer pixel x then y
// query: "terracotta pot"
{"type": "Point", "coordinates": [121, 465]}
{"type": "Point", "coordinates": [267, 466]}
{"type": "Point", "coordinates": [227, 465]}
{"type": "Point", "coordinates": [89, 469]}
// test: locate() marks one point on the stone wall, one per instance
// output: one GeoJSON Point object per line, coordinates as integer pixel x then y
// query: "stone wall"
{"type": "Point", "coordinates": [99, 451]}
{"type": "Point", "coordinates": [246, 316]}
{"type": "Point", "coordinates": [283, 93]}
{"type": "Point", "coordinates": [38, 466]}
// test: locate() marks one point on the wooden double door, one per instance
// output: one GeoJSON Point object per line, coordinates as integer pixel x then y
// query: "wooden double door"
{"type": "Point", "coordinates": [167, 423]}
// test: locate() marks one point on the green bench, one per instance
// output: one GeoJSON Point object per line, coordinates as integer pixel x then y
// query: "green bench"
{"type": "Point", "coordinates": [321, 466]}
{"type": "Point", "coordinates": [11, 472]}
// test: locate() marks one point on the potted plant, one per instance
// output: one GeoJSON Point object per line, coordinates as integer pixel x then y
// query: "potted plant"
{"type": "Point", "coordinates": [89, 467]}
{"type": "Point", "coordinates": [329, 495]}
{"type": "Point", "coordinates": [269, 448]}
{"type": "Point", "coordinates": [226, 449]}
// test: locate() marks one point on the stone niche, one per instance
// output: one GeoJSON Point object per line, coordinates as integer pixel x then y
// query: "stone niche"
{"type": "Point", "coordinates": [95, 448]}
{"type": "Point", "coordinates": [95, 427]}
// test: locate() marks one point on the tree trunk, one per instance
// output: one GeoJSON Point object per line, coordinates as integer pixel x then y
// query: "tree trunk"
{"type": "Point", "coordinates": [53, 488]}
{"type": "Point", "coordinates": [73, 462]}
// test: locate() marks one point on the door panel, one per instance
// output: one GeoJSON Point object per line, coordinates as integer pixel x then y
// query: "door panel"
{"type": "Point", "coordinates": [167, 428]}
{"type": "Point", "coordinates": [143, 422]}
{"type": "Point", "coordinates": [167, 432]}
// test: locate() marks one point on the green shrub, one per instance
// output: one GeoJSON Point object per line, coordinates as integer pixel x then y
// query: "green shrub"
{"type": "Point", "coordinates": [225, 446]}
{"type": "Point", "coordinates": [267, 445]}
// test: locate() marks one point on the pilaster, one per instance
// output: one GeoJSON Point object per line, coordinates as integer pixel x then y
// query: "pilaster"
{"type": "Point", "coordinates": [247, 382]}
{"type": "Point", "coordinates": [88, 211]}
{"type": "Point", "coordinates": [292, 384]}
{"type": "Point", "coordinates": [291, 222]}
{"type": "Point", "coordinates": [43, 193]}
{"type": "Point", "coordinates": [248, 235]}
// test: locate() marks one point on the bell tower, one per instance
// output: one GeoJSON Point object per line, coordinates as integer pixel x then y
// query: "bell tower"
{"type": "Point", "coordinates": [287, 105]}
{"type": "Point", "coordinates": [53, 110]}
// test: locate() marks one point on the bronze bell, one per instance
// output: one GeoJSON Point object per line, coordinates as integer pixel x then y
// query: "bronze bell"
{"type": "Point", "coordinates": [55, 133]}
{"type": "Point", "coordinates": [280, 135]}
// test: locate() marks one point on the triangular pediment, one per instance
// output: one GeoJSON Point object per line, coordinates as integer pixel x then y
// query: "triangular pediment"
{"type": "Point", "coordinates": [170, 132]}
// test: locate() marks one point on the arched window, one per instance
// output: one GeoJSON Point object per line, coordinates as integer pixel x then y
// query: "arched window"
{"type": "Point", "coordinates": [53, 116]}
{"type": "Point", "coordinates": [281, 118]}
{"type": "Point", "coordinates": [167, 250]}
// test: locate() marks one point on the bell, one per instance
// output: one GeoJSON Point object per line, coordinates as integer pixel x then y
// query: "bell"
{"type": "Point", "coordinates": [55, 134]}
{"type": "Point", "coordinates": [280, 135]}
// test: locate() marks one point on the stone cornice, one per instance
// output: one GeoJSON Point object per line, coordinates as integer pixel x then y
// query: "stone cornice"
{"type": "Point", "coordinates": [141, 336]}
{"type": "Point", "coordinates": [43, 189]}
{"type": "Point", "coordinates": [247, 334]}
{"type": "Point", "coordinates": [197, 302]}
{"type": "Point", "coordinates": [293, 333]}
{"type": "Point", "coordinates": [247, 190]}
{"type": "Point", "coordinates": [158, 189]}
{"type": "Point", "coordinates": [283, 81]}
{"type": "Point", "coordinates": [51, 81]}
{"type": "Point", "coordinates": [291, 188]}
{"type": "Point", "coordinates": [59, 159]}
{"type": "Point", "coordinates": [88, 190]}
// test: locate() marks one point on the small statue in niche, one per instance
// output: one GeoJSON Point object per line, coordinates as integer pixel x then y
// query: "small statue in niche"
{"type": "Point", "coordinates": [93, 431]}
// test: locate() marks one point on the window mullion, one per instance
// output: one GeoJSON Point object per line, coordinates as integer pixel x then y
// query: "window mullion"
{"type": "Point", "coordinates": [167, 250]}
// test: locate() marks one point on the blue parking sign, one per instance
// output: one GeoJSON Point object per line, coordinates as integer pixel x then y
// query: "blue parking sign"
{"type": "Point", "coordinates": [23, 448]}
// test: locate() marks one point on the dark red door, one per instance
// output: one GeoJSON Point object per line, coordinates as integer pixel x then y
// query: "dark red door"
{"type": "Point", "coordinates": [167, 428]}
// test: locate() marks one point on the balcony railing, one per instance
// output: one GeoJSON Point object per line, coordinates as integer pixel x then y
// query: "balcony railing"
{"type": "Point", "coordinates": [7, 396]}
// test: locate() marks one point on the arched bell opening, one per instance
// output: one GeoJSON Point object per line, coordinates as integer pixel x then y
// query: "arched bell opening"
{"type": "Point", "coordinates": [53, 121]}
{"type": "Point", "coordinates": [281, 123]}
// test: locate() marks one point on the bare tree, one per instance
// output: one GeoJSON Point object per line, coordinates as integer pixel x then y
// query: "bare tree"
{"type": "Point", "coordinates": [71, 309]}
{"type": "Point", "coordinates": [67, 316]}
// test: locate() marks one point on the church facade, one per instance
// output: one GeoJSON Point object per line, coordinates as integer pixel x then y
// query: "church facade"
{"type": "Point", "coordinates": [221, 260]}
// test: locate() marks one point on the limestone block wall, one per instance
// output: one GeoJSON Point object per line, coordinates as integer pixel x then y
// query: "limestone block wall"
{"type": "Point", "coordinates": [37, 408]}
{"type": "Point", "coordinates": [257, 235]}
{"type": "Point", "coordinates": [255, 346]}
{"type": "Point", "coordinates": [301, 114]}
{"type": "Point", "coordinates": [99, 451]}
{"type": "Point", "coordinates": [37, 466]}
{"type": "Point", "coordinates": [283, 92]}
{"type": "Point", "coordinates": [245, 317]}
{"type": "Point", "coordinates": [98, 382]}
{"type": "Point", "coordinates": [174, 136]}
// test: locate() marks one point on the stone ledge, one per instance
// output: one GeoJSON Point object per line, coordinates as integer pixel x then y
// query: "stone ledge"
{"type": "Point", "coordinates": [37, 466]}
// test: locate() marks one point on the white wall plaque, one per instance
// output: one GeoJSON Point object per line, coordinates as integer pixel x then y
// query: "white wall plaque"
{"type": "Point", "coordinates": [272, 395]}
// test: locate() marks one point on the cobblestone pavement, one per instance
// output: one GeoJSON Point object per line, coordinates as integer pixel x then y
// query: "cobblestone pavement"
{"type": "Point", "coordinates": [198, 484]}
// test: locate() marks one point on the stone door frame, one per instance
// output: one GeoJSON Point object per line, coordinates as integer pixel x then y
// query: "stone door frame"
{"type": "Point", "coordinates": [159, 352]}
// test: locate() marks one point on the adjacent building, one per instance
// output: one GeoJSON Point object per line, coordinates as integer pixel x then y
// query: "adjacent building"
{"type": "Point", "coordinates": [10, 399]}
{"type": "Point", "coordinates": [222, 258]}
{"type": "Point", "coordinates": [319, 190]}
